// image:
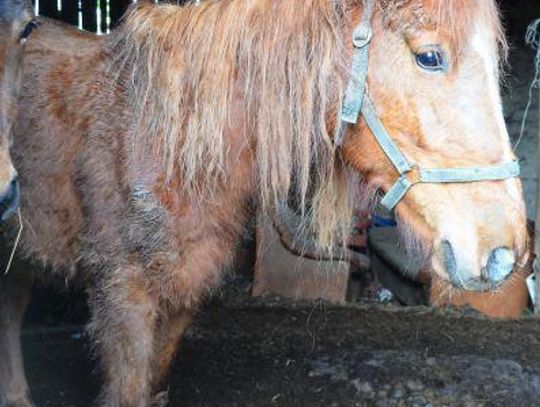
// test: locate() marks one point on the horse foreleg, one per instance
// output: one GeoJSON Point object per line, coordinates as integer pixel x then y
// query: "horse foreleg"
{"type": "Point", "coordinates": [14, 297]}
{"type": "Point", "coordinates": [123, 324]}
{"type": "Point", "coordinates": [167, 340]}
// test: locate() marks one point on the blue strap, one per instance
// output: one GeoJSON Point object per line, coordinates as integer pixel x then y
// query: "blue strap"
{"type": "Point", "coordinates": [435, 175]}
{"type": "Point", "coordinates": [390, 148]}
{"type": "Point", "coordinates": [353, 98]}
{"type": "Point", "coordinates": [498, 172]}
{"type": "Point", "coordinates": [356, 102]}
{"type": "Point", "coordinates": [396, 193]}
{"type": "Point", "coordinates": [352, 103]}
{"type": "Point", "coordinates": [455, 175]}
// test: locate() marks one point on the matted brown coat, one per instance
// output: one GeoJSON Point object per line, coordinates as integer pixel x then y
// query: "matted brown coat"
{"type": "Point", "coordinates": [138, 153]}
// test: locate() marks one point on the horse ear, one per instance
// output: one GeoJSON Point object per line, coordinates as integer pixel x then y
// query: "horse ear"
{"type": "Point", "coordinates": [14, 9]}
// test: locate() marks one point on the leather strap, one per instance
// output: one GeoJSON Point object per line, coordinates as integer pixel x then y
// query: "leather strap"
{"type": "Point", "coordinates": [357, 102]}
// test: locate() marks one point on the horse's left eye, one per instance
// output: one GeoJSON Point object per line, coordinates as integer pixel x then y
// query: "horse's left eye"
{"type": "Point", "coordinates": [432, 60]}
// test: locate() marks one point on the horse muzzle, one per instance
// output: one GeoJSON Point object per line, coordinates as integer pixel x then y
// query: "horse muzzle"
{"type": "Point", "coordinates": [499, 266]}
{"type": "Point", "coordinates": [9, 201]}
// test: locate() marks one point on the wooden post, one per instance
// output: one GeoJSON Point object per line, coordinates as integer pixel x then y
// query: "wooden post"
{"type": "Point", "coordinates": [278, 272]}
{"type": "Point", "coordinates": [103, 11]}
{"type": "Point", "coordinates": [537, 236]}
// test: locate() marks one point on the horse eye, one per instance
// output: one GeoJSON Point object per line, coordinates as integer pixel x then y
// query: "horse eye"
{"type": "Point", "coordinates": [432, 60]}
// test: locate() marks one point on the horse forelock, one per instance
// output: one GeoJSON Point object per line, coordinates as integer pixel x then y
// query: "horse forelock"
{"type": "Point", "coordinates": [456, 18]}
{"type": "Point", "coordinates": [185, 67]}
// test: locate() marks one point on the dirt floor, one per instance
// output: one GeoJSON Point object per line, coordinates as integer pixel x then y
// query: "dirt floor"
{"type": "Point", "coordinates": [271, 353]}
{"type": "Point", "coordinates": [243, 352]}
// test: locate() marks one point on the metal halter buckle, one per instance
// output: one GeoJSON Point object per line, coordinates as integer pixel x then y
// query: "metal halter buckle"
{"type": "Point", "coordinates": [362, 36]}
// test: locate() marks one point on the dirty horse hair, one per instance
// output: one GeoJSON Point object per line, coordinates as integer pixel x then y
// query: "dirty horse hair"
{"type": "Point", "coordinates": [290, 59]}
{"type": "Point", "coordinates": [138, 153]}
{"type": "Point", "coordinates": [293, 73]}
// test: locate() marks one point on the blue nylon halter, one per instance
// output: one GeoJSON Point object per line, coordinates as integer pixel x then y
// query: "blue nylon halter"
{"type": "Point", "coordinates": [357, 102]}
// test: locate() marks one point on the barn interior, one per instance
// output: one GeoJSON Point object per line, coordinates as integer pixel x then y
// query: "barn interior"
{"type": "Point", "coordinates": [358, 341]}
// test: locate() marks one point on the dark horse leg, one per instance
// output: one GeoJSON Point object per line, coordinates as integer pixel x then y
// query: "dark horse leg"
{"type": "Point", "coordinates": [124, 317]}
{"type": "Point", "coordinates": [14, 297]}
{"type": "Point", "coordinates": [168, 335]}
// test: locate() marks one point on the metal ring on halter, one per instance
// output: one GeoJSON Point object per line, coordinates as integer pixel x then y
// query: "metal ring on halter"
{"type": "Point", "coordinates": [357, 103]}
{"type": "Point", "coordinates": [362, 36]}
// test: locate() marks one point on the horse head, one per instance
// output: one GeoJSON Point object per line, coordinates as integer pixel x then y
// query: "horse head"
{"type": "Point", "coordinates": [432, 136]}
{"type": "Point", "coordinates": [16, 23]}
{"type": "Point", "coordinates": [433, 84]}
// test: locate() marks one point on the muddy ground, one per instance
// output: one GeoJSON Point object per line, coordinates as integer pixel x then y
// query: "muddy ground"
{"type": "Point", "coordinates": [270, 353]}
{"type": "Point", "coordinates": [242, 352]}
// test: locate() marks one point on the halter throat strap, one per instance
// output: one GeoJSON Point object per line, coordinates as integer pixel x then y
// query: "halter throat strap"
{"type": "Point", "coordinates": [357, 103]}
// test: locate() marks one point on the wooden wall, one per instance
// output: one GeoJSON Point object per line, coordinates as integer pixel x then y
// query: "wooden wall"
{"type": "Point", "coordinates": [92, 15]}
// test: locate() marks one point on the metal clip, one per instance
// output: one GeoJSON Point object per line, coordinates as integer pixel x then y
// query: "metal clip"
{"type": "Point", "coordinates": [362, 36]}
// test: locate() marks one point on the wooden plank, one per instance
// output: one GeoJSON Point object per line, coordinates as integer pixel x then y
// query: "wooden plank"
{"type": "Point", "coordinates": [537, 235]}
{"type": "Point", "coordinates": [103, 14]}
{"type": "Point", "coordinates": [278, 272]}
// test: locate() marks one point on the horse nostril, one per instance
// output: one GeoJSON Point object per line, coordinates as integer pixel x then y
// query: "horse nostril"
{"type": "Point", "coordinates": [450, 263]}
{"type": "Point", "coordinates": [500, 264]}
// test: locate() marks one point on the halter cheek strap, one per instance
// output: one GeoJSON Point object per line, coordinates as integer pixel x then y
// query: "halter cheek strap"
{"type": "Point", "coordinates": [356, 89]}
{"type": "Point", "coordinates": [424, 175]}
{"type": "Point", "coordinates": [357, 103]}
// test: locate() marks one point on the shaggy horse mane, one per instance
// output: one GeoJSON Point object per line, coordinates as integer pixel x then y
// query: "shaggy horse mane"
{"type": "Point", "coordinates": [184, 65]}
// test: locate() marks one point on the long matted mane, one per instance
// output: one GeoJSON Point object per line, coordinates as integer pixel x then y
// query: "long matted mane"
{"type": "Point", "coordinates": [185, 63]}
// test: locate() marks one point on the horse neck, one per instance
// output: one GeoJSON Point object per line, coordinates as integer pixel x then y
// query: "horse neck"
{"type": "Point", "coordinates": [284, 60]}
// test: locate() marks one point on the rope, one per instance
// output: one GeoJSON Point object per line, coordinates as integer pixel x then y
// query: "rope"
{"type": "Point", "coordinates": [17, 239]}
{"type": "Point", "coordinates": [532, 38]}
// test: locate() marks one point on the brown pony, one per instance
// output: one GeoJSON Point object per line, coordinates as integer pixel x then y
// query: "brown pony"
{"type": "Point", "coordinates": [138, 152]}
{"type": "Point", "coordinates": [14, 28]}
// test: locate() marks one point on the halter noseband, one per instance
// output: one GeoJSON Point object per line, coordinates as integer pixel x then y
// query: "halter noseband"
{"type": "Point", "coordinates": [357, 102]}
